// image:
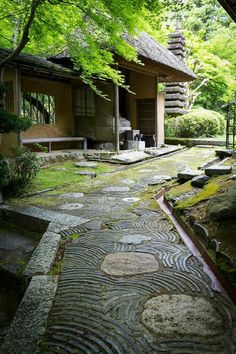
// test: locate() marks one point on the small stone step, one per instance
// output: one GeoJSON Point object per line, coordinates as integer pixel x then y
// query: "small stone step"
{"type": "Point", "coordinates": [87, 164]}
{"type": "Point", "coordinates": [218, 170]}
{"type": "Point", "coordinates": [186, 175]}
{"type": "Point", "coordinates": [199, 181]}
{"type": "Point", "coordinates": [222, 153]}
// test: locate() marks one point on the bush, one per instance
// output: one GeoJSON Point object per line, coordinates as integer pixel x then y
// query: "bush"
{"type": "Point", "coordinates": [197, 123]}
{"type": "Point", "coordinates": [23, 167]}
{"type": "Point", "coordinates": [12, 123]}
{"type": "Point", "coordinates": [4, 172]}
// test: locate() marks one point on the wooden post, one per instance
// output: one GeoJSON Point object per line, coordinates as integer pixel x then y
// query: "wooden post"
{"type": "Point", "coordinates": [156, 112]}
{"type": "Point", "coordinates": [117, 119]}
{"type": "Point", "coordinates": [18, 100]}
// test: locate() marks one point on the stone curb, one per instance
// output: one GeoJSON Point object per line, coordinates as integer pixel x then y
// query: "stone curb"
{"type": "Point", "coordinates": [29, 323]}
{"type": "Point", "coordinates": [38, 218]}
{"type": "Point", "coordinates": [44, 255]}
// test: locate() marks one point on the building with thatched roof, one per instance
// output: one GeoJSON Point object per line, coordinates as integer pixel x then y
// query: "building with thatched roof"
{"type": "Point", "coordinates": [62, 107]}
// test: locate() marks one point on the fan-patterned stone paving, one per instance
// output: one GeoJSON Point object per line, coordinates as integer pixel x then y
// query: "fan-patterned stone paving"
{"type": "Point", "coordinates": [133, 287]}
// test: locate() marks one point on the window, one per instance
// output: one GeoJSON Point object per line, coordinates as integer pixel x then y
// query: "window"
{"type": "Point", "coordinates": [39, 107]}
{"type": "Point", "coordinates": [9, 98]}
{"type": "Point", "coordinates": [84, 102]}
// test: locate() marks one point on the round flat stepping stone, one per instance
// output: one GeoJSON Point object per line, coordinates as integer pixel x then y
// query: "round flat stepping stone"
{"type": "Point", "coordinates": [71, 195]}
{"type": "Point", "coordinates": [86, 164]}
{"type": "Point", "coordinates": [131, 199]}
{"type": "Point", "coordinates": [129, 263]}
{"type": "Point", "coordinates": [62, 169]}
{"type": "Point", "coordinates": [146, 170]}
{"type": "Point", "coordinates": [128, 181]}
{"type": "Point", "coordinates": [116, 189]}
{"type": "Point", "coordinates": [135, 239]}
{"type": "Point", "coordinates": [161, 177]}
{"type": "Point", "coordinates": [71, 206]}
{"type": "Point", "coordinates": [182, 315]}
{"type": "Point", "coordinates": [85, 173]}
{"type": "Point", "coordinates": [156, 181]}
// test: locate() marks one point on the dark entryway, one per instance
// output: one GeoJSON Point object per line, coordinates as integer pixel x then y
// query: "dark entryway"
{"type": "Point", "coordinates": [146, 119]}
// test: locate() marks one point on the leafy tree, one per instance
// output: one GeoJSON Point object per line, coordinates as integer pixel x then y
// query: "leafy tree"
{"type": "Point", "coordinates": [87, 29]}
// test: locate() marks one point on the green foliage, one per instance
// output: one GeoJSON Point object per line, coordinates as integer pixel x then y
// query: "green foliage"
{"type": "Point", "coordinates": [196, 124]}
{"type": "Point", "coordinates": [12, 123]}
{"type": "Point", "coordinates": [90, 30]}
{"type": "Point", "coordinates": [23, 168]}
{"type": "Point", "coordinates": [4, 172]}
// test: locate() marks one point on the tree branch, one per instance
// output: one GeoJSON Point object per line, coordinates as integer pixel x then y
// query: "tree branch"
{"type": "Point", "coordinates": [25, 36]}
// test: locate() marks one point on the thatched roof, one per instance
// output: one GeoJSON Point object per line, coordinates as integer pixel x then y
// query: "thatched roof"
{"type": "Point", "coordinates": [149, 48]}
{"type": "Point", "coordinates": [230, 7]}
{"type": "Point", "coordinates": [38, 65]}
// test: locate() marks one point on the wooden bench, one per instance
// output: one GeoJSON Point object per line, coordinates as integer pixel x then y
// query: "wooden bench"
{"type": "Point", "coordinates": [54, 140]}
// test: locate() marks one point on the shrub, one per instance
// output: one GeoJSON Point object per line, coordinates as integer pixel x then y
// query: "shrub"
{"type": "Point", "coordinates": [12, 123]}
{"type": "Point", "coordinates": [23, 167]}
{"type": "Point", "coordinates": [4, 172]}
{"type": "Point", "coordinates": [196, 124]}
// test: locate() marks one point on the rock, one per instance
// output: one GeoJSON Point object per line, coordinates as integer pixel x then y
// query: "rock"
{"type": "Point", "coordinates": [116, 189]}
{"type": "Point", "coordinates": [161, 177]}
{"type": "Point", "coordinates": [199, 181]}
{"type": "Point", "coordinates": [223, 207]}
{"type": "Point", "coordinates": [71, 206]}
{"type": "Point", "coordinates": [222, 153]}
{"type": "Point", "coordinates": [87, 164]}
{"type": "Point", "coordinates": [62, 169]}
{"type": "Point", "coordinates": [129, 263]}
{"type": "Point", "coordinates": [182, 316]}
{"type": "Point", "coordinates": [218, 170]}
{"type": "Point", "coordinates": [135, 239]}
{"type": "Point", "coordinates": [131, 199]}
{"type": "Point", "coordinates": [186, 175]}
{"type": "Point", "coordinates": [72, 195]}
{"type": "Point", "coordinates": [233, 177]}
{"type": "Point", "coordinates": [85, 173]}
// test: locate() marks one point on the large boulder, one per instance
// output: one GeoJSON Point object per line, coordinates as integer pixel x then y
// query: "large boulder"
{"type": "Point", "coordinates": [224, 206]}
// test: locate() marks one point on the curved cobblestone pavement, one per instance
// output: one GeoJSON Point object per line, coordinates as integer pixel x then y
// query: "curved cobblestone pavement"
{"type": "Point", "coordinates": [133, 286]}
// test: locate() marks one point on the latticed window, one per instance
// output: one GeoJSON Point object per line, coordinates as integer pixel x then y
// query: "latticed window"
{"type": "Point", "coordinates": [9, 97]}
{"type": "Point", "coordinates": [39, 107]}
{"type": "Point", "coordinates": [84, 102]}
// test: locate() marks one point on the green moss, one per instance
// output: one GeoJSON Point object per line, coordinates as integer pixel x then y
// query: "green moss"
{"type": "Point", "coordinates": [179, 190]}
{"type": "Point", "coordinates": [204, 194]}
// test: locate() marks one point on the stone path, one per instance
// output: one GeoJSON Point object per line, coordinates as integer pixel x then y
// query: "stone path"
{"type": "Point", "coordinates": [130, 285]}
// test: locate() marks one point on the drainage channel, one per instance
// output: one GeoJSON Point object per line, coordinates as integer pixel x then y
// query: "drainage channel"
{"type": "Point", "coordinates": [216, 283]}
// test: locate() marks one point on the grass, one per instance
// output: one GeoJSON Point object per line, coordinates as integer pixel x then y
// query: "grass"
{"type": "Point", "coordinates": [50, 177]}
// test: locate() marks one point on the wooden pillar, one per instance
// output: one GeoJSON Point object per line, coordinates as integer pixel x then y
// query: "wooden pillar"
{"type": "Point", "coordinates": [117, 119]}
{"type": "Point", "coordinates": [156, 113]}
{"type": "Point", "coordinates": [18, 100]}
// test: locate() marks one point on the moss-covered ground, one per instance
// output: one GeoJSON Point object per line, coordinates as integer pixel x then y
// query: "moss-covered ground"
{"type": "Point", "coordinates": [196, 207]}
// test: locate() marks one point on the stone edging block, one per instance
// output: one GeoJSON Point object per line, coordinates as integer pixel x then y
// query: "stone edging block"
{"type": "Point", "coordinates": [44, 255]}
{"type": "Point", "coordinates": [29, 323]}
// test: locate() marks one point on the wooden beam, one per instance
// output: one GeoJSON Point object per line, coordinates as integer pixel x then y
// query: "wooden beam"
{"type": "Point", "coordinates": [18, 99]}
{"type": "Point", "coordinates": [117, 119]}
{"type": "Point", "coordinates": [156, 113]}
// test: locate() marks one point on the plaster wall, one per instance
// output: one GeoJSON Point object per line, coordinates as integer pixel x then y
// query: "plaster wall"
{"type": "Point", "coordinates": [64, 125]}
